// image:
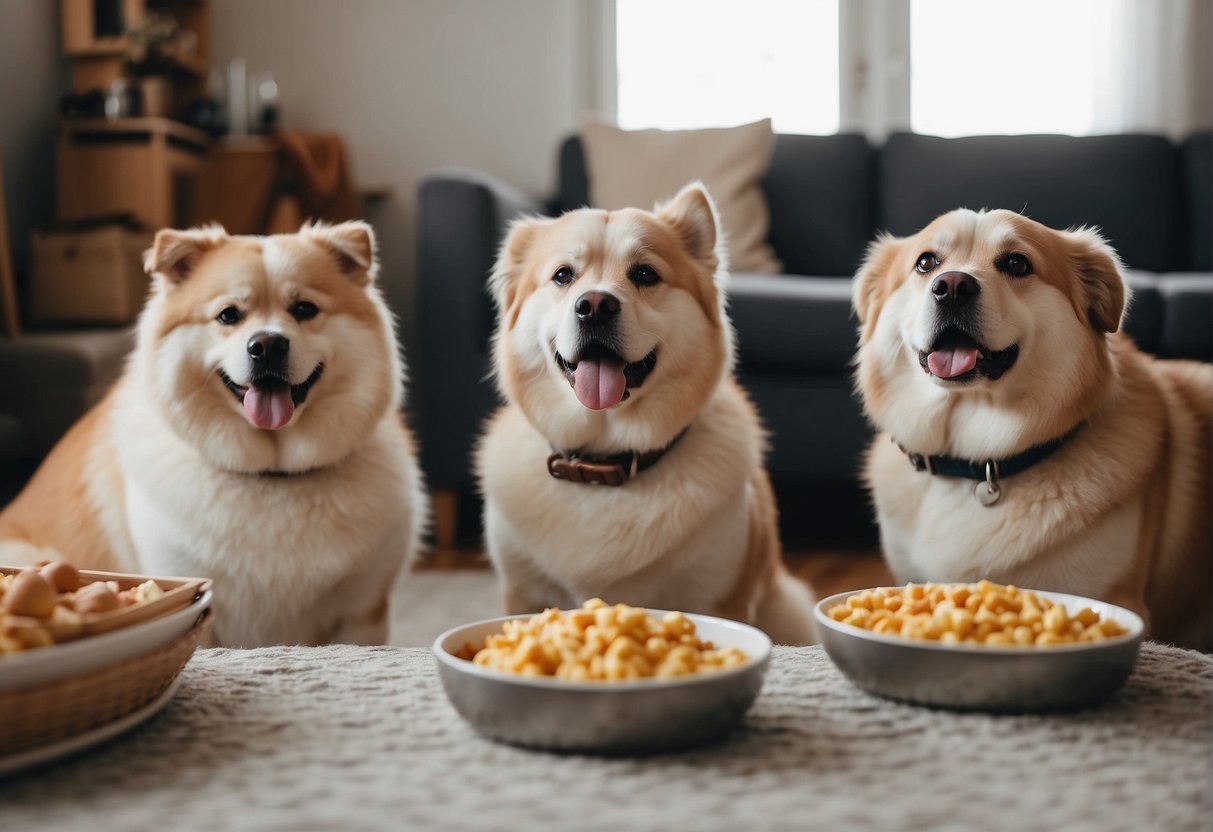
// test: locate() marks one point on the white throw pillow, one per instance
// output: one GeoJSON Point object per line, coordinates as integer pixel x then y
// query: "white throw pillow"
{"type": "Point", "coordinates": [637, 168]}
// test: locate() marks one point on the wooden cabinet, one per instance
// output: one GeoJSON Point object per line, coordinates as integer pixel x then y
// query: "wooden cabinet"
{"type": "Point", "coordinates": [146, 167]}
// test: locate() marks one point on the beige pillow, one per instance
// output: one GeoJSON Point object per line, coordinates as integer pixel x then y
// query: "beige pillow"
{"type": "Point", "coordinates": [641, 167]}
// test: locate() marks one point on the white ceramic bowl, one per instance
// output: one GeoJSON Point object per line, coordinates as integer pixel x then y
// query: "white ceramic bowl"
{"type": "Point", "coordinates": [977, 677]}
{"type": "Point", "coordinates": [75, 658]}
{"type": "Point", "coordinates": [642, 715]}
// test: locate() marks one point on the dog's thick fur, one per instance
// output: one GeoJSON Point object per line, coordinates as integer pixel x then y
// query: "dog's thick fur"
{"type": "Point", "coordinates": [303, 527]}
{"type": "Point", "coordinates": [1121, 511]}
{"type": "Point", "coordinates": [698, 530]}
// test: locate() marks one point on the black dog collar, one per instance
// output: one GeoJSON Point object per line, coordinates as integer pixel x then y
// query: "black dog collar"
{"type": "Point", "coordinates": [987, 472]}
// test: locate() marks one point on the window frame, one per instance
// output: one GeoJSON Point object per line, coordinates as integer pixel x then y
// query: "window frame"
{"type": "Point", "coordinates": [873, 63]}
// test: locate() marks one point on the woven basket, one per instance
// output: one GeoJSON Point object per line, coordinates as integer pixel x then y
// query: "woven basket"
{"type": "Point", "coordinates": [44, 714]}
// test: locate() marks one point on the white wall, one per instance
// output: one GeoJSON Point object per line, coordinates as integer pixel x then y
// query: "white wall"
{"type": "Point", "coordinates": [32, 78]}
{"type": "Point", "coordinates": [418, 84]}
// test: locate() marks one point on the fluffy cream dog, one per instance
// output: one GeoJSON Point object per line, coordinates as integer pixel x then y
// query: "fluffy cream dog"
{"type": "Point", "coordinates": [628, 463]}
{"type": "Point", "coordinates": [255, 439]}
{"type": "Point", "coordinates": [1022, 437]}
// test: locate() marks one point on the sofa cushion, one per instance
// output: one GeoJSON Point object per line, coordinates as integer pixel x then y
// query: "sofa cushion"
{"type": "Point", "coordinates": [1128, 186]}
{"type": "Point", "coordinates": [791, 323]}
{"type": "Point", "coordinates": [820, 189]}
{"type": "Point", "coordinates": [638, 168]}
{"type": "Point", "coordinates": [1198, 184]}
{"type": "Point", "coordinates": [1143, 319]}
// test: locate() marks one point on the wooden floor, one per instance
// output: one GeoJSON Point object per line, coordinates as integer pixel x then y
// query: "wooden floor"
{"type": "Point", "coordinates": [827, 572]}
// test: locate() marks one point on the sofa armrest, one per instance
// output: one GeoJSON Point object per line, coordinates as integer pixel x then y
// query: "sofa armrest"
{"type": "Point", "coordinates": [794, 323]}
{"type": "Point", "coordinates": [52, 378]}
{"type": "Point", "coordinates": [462, 216]}
{"type": "Point", "coordinates": [1187, 322]}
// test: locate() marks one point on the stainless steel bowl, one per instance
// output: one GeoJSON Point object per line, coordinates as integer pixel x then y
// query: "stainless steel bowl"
{"type": "Point", "coordinates": [644, 715]}
{"type": "Point", "coordinates": [977, 677]}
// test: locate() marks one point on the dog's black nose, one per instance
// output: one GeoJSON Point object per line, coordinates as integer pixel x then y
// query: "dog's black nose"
{"type": "Point", "coordinates": [268, 347]}
{"type": "Point", "coordinates": [596, 307]}
{"type": "Point", "coordinates": [955, 288]}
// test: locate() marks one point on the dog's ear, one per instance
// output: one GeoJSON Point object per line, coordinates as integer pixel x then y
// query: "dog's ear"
{"type": "Point", "coordinates": [506, 277]}
{"type": "Point", "coordinates": [1099, 271]}
{"type": "Point", "coordinates": [352, 245]}
{"type": "Point", "coordinates": [175, 254]}
{"type": "Point", "coordinates": [692, 215]}
{"type": "Point", "coordinates": [869, 288]}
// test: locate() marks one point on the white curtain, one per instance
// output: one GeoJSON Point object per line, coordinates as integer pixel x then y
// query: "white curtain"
{"type": "Point", "coordinates": [1156, 69]}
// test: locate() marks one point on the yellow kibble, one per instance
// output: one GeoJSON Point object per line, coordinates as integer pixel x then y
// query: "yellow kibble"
{"type": "Point", "coordinates": [962, 622]}
{"type": "Point", "coordinates": [861, 601]}
{"type": "Point", "coordinates": [958, 594]}
{"type": "Point", "coordinates": [985, 613]}
{"type": "Point", "coordinates": [599, 642]}
{"type": "Point", "coordinates": [1112, 628]}
{"type": "Point", "coordinates": [1086, 616]}
{"type": "Point", "coordinates": [1055, 619]}
{"type": "Point", "coordinates": [859, 617]}
{"type": "Point", "coordinates": [887, 625]}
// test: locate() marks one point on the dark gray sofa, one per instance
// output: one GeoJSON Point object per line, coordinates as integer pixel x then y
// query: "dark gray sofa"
{"type": "Point", "coordinates": [829, 196]}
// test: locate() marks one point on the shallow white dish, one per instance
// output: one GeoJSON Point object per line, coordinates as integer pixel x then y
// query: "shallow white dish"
{"type": "Point", "coordinates": [27, 759]}
{"type": "Point", "coordinates": [74, 658]}
{"type": "Point", "coordinates": [980, 677]}
{"type": "Point", "coordinates": [642, 715]}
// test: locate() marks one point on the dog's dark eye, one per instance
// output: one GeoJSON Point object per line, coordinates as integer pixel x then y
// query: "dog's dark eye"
{"type": "Point", "coordinates": [563, 276]}
{"type": "Point", "coordinates": [643, 275]}
{"type": "Point", "coordinates": [1015, 265]}
{"type": "Point", "coordinates": [303, 310]}
{"type": "Point", "coordinates": [229, 316]}
{"type": "Point", "coordinates": [927, 261]}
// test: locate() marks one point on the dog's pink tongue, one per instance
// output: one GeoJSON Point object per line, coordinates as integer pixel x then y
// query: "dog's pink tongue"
{"type": "Point", "coordinates": [599, 384]}
{"type": "Point", "coordinates": [269, 409]}
{"type": "Point", "coordinates": [953, 362]}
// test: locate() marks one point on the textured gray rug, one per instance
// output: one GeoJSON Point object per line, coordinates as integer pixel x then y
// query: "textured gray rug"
{"type": "Point", "coordinates": [427, 602]}
{"type": "Point", "coordinates": [347, 738]}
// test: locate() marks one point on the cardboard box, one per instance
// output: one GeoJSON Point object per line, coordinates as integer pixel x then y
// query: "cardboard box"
{"type": "Point", "coordinates": [93, 276]}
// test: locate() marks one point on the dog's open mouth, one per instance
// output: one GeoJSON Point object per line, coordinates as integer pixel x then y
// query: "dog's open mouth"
{"type": "Point", "coordinates": [270, 400]}
{"type": "Point", "coordinates": [956, 356]}
{"type": "Point", "coordinates": [601, 378]}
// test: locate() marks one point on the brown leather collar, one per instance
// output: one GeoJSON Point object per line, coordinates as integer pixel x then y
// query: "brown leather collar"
{"type": "Point", "coordinates": [612, 470]}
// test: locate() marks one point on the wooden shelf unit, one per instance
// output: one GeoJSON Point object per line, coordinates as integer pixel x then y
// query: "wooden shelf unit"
{"type": "Point", "coordinates": [98, 57]}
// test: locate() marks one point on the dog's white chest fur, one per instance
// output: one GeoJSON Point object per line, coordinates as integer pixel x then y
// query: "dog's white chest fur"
{"type": "Point", "coordinates": [291, 557]}
{"type": "Point", "coordinates": [674, 537]}
{"type": "Point", "coordinates": [934, 529]}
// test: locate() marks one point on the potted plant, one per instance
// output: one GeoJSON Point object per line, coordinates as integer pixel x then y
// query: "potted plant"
{"type": "Point", "coordinates": [149, 61]}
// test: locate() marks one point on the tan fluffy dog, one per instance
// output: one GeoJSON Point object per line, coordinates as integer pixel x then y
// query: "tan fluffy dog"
{"type": "Point", "coordinates": [255, 439]}
{"type": "Point", "coordinates": [615, 353]}
{"type": "Point", "coordinates": [989, 338]}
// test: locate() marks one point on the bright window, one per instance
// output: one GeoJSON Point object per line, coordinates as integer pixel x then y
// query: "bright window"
{"type": "Point", "coordinates": [685, 64]}
{"type": "Point", "coordinates": [1031, 66]}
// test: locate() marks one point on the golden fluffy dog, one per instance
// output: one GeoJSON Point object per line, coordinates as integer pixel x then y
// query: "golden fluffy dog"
{"type": "Point", "coordinates": [1023, 438]}
{"type": "Point", "coordinates": [255, 438]}
{"type": "Point", "coordinates": [627, 463]}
